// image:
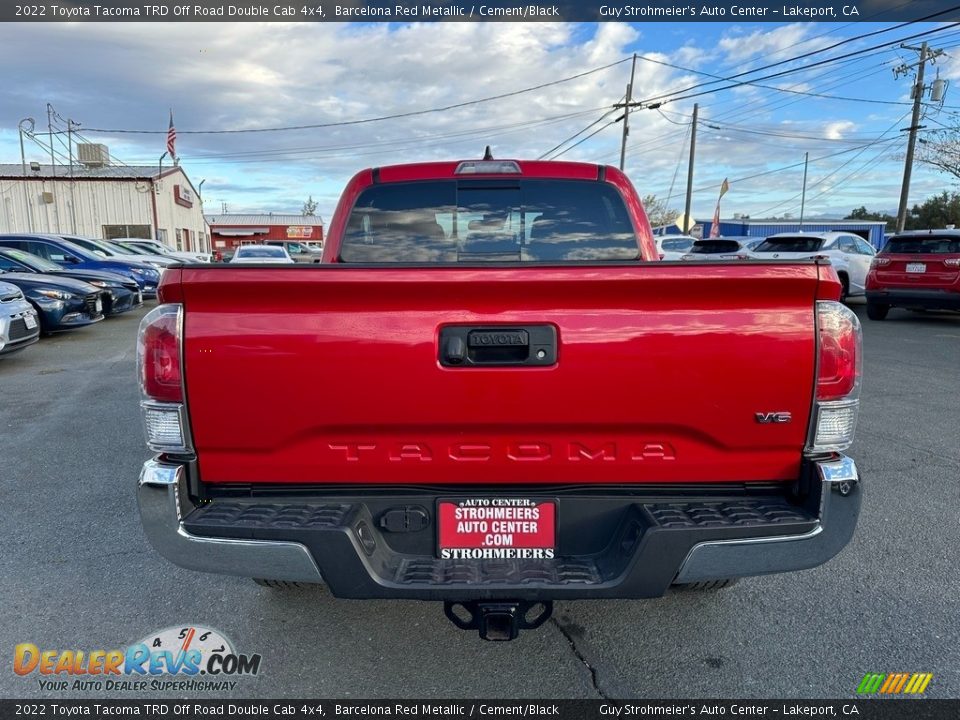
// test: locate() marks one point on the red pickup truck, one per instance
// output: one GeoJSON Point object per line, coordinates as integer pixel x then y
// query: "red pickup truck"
{"type": "Point", "coordinates": [517, 403]}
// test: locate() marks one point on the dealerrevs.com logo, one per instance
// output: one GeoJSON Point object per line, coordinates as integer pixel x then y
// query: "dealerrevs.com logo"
{"type": "Point", "coordinates": [190, 657]}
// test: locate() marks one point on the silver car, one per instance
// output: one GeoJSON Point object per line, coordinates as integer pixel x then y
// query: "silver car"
{"type": "Point", "coordinates": [19, 326]}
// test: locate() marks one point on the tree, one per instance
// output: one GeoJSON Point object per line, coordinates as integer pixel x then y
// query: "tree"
{"type": "Point", "coordinates": [940, 149]}
{"type": "Point", "coordinates": [658, 212]}
{"type": "Point", "coordinates": [309, 207]}
{"type": "Point", "coordinates": [937, 211]}
{"type": "Point", "coordinates": [861, 213]}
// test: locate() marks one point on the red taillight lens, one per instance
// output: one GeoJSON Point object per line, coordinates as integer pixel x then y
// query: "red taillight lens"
{"type": "Point", "coordinates": [158, 354]}
{"type": "Point", "coordinates": [879, 262]}
{"type": "Point", "coordinates": [838, 372]}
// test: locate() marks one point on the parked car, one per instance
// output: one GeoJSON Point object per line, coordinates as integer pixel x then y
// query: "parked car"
{"type": "Point", "coordinates": [585, 437]}
{"type": "Point", "coordinates": [716, 249]}
{"type": "Point", "coordinates": [120, 294]}
{"type": "Point", "coordinates": [918, 270]}
{"type": "Point", "coordinates": [673, 247]}
{"type": "Point", "coordinates": [111, 252]}
{"type": "Point", "coordinates": [849, 254]}
{"type": "Point", "coordinates": [66, 254]}
{"type": "Point", "coordinates": [160, 248]}
{"type": "Point", "coordinates": [298, 251]}
{"type": "Point", "coordinates": [61, 303]}
{"type": "Point", "coordinates": [262, 254]}
{"type": "Point", "coordinates": [19, 326]}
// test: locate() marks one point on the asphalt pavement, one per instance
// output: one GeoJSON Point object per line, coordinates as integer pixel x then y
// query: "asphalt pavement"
{"type": "Point", "coordinates": [77, 572]}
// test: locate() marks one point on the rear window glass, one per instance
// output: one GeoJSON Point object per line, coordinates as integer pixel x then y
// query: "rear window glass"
{"type": "Point", "coordinates": [711, 247]}
{"type": "Point", "coordinates": [924, 245]}
{"type": "Point", "coordinates": [452, 221]}
{"type": "Point", "coordinates": [261, 252]}
{"type": "Point", "coordinates": [676, 245]}
{"type": "Point", "coordinates": [789, 244]}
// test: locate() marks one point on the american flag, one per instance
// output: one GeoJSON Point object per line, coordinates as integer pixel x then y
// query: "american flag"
{"type": "Point", "coordinates": [172, 138]}
{"type": "Point", "coordinates": [715, 225]}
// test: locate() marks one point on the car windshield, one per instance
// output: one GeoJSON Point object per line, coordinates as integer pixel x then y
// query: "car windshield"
{"type": "Point", "coordinates": [123, 249]}
{"type": "Point", "coordinates": [713, 247]}
{"type": "Point", "coordinates": [475, 220]}
{"type": "Point", "coordinates": [799, 244]}
{"type": "Point", "coordinates": [924, 245]}
{"type": "Point", "coordinates": [261, 252]}
{"type": "Point", "coordinates": [141, 248]}
{"type": "Point", "coordinates": [32, 261]}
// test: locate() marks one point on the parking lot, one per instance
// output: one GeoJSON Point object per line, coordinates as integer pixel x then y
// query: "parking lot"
{"type": "Point", "coordinates": [78, 573]}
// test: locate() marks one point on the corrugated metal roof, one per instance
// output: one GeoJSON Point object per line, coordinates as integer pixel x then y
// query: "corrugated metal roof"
{"type": "Point", "coordinates": [138, 172]}
{"type": "Point", "coordinates": [270, 219]}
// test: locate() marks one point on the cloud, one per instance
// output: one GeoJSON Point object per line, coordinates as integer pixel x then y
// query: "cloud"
{"type": "Point", "coordinates": [225, 76]}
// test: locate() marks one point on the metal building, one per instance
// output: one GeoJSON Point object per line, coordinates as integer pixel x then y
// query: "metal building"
{"type": "Point", "coordinates": [870, 230]}
{"type": "Point", "coordinates": [230, 230]}
{"type": "Point", "coordinates": [99, 200]}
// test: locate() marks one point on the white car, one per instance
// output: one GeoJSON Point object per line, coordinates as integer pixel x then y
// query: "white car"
{"type": "Point", "coordinates": [111, 252]}
{"type": "Point", "coordinates": [262, 254]}
{"type": "Point", "coordinates": [673, 247]}
{"type": "Point", "coordinates": [161, 249]}
{"type": "Point", "coordinates": [19, 325]}
{"type": "Point", "coordinates": [849, 254]}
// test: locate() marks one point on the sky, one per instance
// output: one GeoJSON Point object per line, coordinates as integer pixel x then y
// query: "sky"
{"type": "Point", "coordinates": [242, 76]}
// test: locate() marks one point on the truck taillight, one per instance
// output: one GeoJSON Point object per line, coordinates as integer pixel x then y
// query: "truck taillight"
{"type": "Point", "coordinates": [838, 377]}
{"type": "Point", "coordinates": [160, 370]}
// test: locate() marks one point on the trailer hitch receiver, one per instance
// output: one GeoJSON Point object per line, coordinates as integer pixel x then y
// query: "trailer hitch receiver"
{"type": "Point", "coordinates": [499, 621]}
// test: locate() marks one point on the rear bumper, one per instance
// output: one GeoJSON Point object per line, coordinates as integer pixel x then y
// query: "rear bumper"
{"type": "Point", "coordinates": [914, 297]}
{"type": "Point", "coordinates": [625, 545]}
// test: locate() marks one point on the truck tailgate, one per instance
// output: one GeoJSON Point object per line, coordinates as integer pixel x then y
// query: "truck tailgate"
{"type": "Point", "coordinates": [330, 374]}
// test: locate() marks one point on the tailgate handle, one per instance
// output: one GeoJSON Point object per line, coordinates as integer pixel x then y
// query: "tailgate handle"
{"type": "Point", "coordinates": [472, 346]}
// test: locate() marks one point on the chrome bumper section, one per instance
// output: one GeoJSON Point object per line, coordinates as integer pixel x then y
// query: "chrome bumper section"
{"type": "Point", "coordinates": [839, 509]}
{"type": "Point", "coordinates": [164, 502]}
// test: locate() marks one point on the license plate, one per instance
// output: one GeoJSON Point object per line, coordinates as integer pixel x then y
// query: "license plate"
{"type": "Point", "coordinates": [98, 305]}
{"type": "Point", "coordinates": [916, 267]}
{"type": "Point", "coordinates": [496, 529]}
{"type": "Point", "coordinates": [30, 321]}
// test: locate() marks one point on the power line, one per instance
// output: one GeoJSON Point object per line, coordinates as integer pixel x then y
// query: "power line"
{"type": "Point", "coordinates": [838, 169]}
{"type": "Point", "coordinates": [601, 128]}
{"type": "Point", "coordinates": [804, 56]}
{"type": "Point", "coordinates": [580, 132]}
{"type": "Point", "coordinates": [805, 67]}
{"type": "Point", "coordinates": [394, 116]}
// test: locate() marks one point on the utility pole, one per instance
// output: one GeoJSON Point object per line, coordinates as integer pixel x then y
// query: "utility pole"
{"type": "Point", "coordinates": [918, 90]}
{"type": "Point", "coordinates": [626, 114]}
{"type": "Point", "coordinates": [693, 151]}
{"type": "Point", "coordinates": [803, 196]}
{"type": "Point", "coordinates": [73, 198]}
{"type": "Point", "coordinates": [53, 162]}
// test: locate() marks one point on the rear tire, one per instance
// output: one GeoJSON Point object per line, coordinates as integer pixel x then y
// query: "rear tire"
{"type": "Point", "coordinates": [844, 288]}
{"type": "Point", "coordinates": [281, 584]}
{"type": "Point", "coordinates": [875, 311]}
{"type": "Point", "coordinates": [706, 585]}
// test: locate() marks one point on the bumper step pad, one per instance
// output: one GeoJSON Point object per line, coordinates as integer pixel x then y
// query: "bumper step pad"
{"type": "Point", "coordinates": [638, 555]}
